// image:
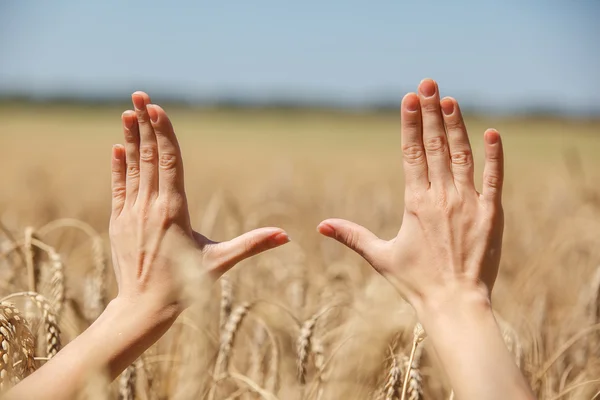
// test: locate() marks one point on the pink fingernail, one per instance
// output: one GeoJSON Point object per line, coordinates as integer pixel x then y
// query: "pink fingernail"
{"type": "Point", "coordinates": [427, 87]}
{"type": "Point", "coordinates": [138, 101]}
{"type": "Point", "coordinates": [280, 238]}
{"type": "Point", "coordinates": [447, 107]}
{"type": "Point", "coordinates": [152, 112]}
{"type": "Point", "coordinates": [326, 229]}
{"type": "Point", "coordinates": [127, 119]}
{"type": "Point", "coordinates": [491, 137]}
{"type": "Point", "coordinates": [411, 103]}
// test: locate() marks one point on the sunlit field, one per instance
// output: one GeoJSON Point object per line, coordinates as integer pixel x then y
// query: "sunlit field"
{"type": "Point", "coordinates": [292, 168]}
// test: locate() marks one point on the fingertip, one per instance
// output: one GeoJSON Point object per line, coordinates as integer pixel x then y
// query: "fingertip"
{"type": "Point", "coordinates": [447, 105]}
{"type": "Point", "coordinates": [128, 118]}
{"type": "Point", "coordinates": [280, 239]}
{"type": "Point", "coordinates": [492, 136]}
{"type": "Point", "coordinates": [140, 100]}
{"type": "Point", "coordinates": [118, 151]}
{"type": "Point", "coordinates": [153, 112]}
{"type": "Point", "coordinates": [410, 102]}
{"type": "Point", "coordinates": [428, 87]}
{"type": "Point", "coordinates": [324, 228]}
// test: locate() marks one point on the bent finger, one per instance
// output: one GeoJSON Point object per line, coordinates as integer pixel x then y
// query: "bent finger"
{"type": "Point", "coordinates": [222, 256]}
{"type": "Point", "coordinates": [356, 237]}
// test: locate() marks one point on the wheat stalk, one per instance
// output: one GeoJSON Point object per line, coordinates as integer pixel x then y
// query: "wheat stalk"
{"type": "Point", "coordinates": [95, 289]}
{"type": "Point", "coordinates": [57, 282]}
{"type": "Point", "coordinates": [414, 378]}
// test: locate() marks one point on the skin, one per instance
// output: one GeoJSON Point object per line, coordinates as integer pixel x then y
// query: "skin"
{"type": "Point", "coordinates": [149, 226]}
{"type": "Point", "coordinates": [444, 260]}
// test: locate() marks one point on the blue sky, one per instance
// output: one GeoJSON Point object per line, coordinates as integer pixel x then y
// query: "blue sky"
{"type": "Point", "coordinates": [495, 54]}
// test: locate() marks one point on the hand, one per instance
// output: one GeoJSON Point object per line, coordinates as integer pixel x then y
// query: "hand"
{"type": "Point", "coordinates": [150, 214]}
{"type": "Point", "coordinates": [451, 235]}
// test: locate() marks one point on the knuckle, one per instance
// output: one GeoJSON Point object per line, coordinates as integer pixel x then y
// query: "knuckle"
{"type": "Point", "coordinates": [118, 192]}
{"type": "Point", "coordinates": [411, 122]}
{"type": "Point", "coordinates": [130, 137]}
{"type": "Point", "coordinates": [430, 107]}
{"type": "Point", "coordinates": [133, 170]}
{"type": "Point", "coordinates": [351, 240]}
{"type": "Point", "coordinates": [167, 161]}
{"type": "Point", "coordinates": [143, 117]}
{"type": "Point", "coordinates": [453, 123]}
{"type": "Point", "coordinates": [413, 153]}
{"type": "Point", "coordinates": [116, 169]}
{"type": "Point", "coordinates": [462, 157]}
{"type": "Point", "coordinates": [251, 246]}
{"type": "Point", "coordinates": [435, 144]}
{"type": "Point", "coordinates": [148, 153]}
{"type": "Point", "coordinates": [493, 182]}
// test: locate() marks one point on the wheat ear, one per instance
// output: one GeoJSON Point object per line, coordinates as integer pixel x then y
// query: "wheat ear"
{"type": "Point", "coordinates": [127, 382]}
{"type": "Point", "coordinates": [228, 337]}
{"type": "Point", "coordinates": [304, 343]}
{"type": "Point", "coordinates": [51, 328]}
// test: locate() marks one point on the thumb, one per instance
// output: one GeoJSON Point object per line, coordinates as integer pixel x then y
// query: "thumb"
{"type": "Point", "coordinates": [225, 255]}
{"type": "Point", "coordinates": [356, 237]}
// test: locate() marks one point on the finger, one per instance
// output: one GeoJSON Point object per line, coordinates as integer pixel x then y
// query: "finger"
{"type": "Point", "coordinates": [225, 255]}
{"type": "Point", "coordinates": [413, 152]}
{"type": "Point", "coordinates": [461, 155]}
{"type": "Point", "coordinates": [493, 172]}
{"type": "Point", "coordinates": [132, 153]}
{"type": "Point", "coordinates": [434, 134]}
{"type": "Point", "coordinates": [118, 168]}
{"type": "Point", "coordinates": [148, 186]}
{"type": "Point", "coordinates": [170, 167]}
{"type": "Point", "coordinates": [356, 237]}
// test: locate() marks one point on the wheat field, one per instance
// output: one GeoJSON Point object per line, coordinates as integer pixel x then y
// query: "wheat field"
{"type": "Point", "coordinates": [310, 320]}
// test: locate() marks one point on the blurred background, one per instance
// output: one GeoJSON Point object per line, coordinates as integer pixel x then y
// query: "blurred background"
{"type": "Point", "coordinates": [508, 57]}
{"type": "Point", "coordinates": [287, 113]}
{"type": "Point", "coordinates": [261, 82]}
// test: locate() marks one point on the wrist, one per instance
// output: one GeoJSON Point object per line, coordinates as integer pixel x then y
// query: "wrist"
{"type": "Point", "coordinates": [452, 299]}
{"type": "Point", "coordinates": [126, 329]}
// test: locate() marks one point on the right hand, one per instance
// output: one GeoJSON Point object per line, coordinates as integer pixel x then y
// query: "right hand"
{"type": "Point", "coordinates": [150, 222]}
{"type": "Point", "coordinates": [451, 235]}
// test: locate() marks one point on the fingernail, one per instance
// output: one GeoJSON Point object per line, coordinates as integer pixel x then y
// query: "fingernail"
{"type": "Point", "coordinates": [447, 107]}
{"type": "Point", "coordinates": [280, 238]}
{"type": "Point", "coordinates": [116, 151]}
{"type": "Point", "coordinates": [325, 229]}
{"type": "Point", "coordinates": [427, 87]}
{"type": "Point", "coordinates": [127, 119]}
{"type": "Point", "coordinates": [492, 137]}
{"type": "Point", "coordinates": [138, 101]}
{"type": "Point", "coordinates": [152, 112]}
{"type": "Point", "coordinates": [411, 103]}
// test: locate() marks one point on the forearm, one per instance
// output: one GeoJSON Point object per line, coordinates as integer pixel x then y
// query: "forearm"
{"type": "Point", "coordinates": [461, 326]}
{"type": "Point", "coordinates": [119, 336]}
